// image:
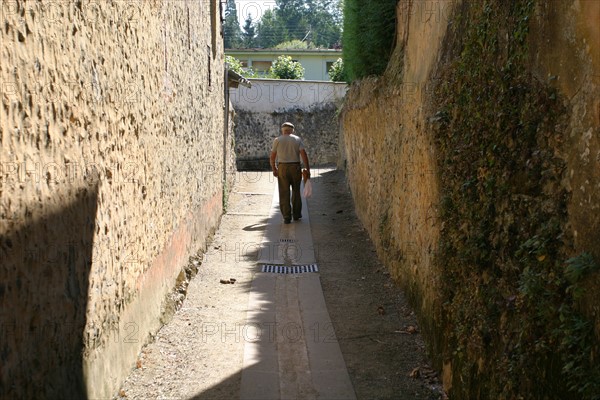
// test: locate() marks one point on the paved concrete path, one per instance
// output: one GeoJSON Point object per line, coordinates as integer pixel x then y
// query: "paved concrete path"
{"type": "Point", "coordinates": [290, 349]}
{"type": "Point", "coordinates": [269, 336]}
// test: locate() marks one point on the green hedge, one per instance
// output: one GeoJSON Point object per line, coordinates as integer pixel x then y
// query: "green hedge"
{"type": "Point", "coordinates": [368, 38]}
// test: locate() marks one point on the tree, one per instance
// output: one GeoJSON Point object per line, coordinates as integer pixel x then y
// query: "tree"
{"type": "Point", "coordinates": [337, 72]}
{"type": "Point", "coordinates": [325, 25]}
{"type": "Point", "coordinates": [270, 30]}
{"type": "Point", "coordinates": [337, 12]}
{"type": "Point", "coordinates": [249, 34]}
{"type": "Point", "coordinates": [293, 44]}
{"type": "Point", "coordinates": [285, 68]}
{"type": "Point", "coordinates": [318, 22]}
{"type": "Point", "coordinates": [232, 34]}
{"type": "Point", "coordinates": [293, 14]}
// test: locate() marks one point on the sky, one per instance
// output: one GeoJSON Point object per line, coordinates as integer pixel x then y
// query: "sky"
{"type": "Point", "coordinates": [253, 7]}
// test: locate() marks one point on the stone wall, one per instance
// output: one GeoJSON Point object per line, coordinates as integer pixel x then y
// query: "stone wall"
{"type": "Point", "coordinates": [393, 163]}
{"type": "Point", "coordinates": [391, 159]}
{"type": "Point", "coordinates": [111, 177]}
{"type": "Point", "coordinates": [312, 106]}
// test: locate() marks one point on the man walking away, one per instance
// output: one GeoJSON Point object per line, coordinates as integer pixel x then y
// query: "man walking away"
{"type": "Point", "coordinates": [287, 150]}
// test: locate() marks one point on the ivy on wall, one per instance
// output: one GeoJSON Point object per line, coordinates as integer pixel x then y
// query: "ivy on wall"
{"type": "Point", "coordinates": [510, 282]}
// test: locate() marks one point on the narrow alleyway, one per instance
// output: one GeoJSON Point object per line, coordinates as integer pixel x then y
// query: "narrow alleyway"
{"type": "Point", "coordinates": [334, 327]}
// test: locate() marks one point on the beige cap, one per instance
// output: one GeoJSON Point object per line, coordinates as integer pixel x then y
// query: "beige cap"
{"type": "Point", "coordinates": [288, 124]}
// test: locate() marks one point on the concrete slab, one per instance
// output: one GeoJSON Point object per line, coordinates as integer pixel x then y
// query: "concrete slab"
{"type": "Point", "coordinates": [294, 372]}
{"type": "Point", "coordinates": [309, 289]}
{"type": "Point", "coordinates": [330, 386]}
{"type": "Point", "coordinates": [287, 244]}
{"type": "Point", "coordinates": [257, 385]}
{"type": "Point", "coordinates": [260, 367]}
{"type": "Point", "coordinates": [291, 341]}
{"type": "Point", "coordinates": [262, 357]}
{"type": "Point", "coordinates": [262, 294]}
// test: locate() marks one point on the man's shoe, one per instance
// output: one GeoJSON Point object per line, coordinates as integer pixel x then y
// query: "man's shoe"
{"type": "Point", "coordinates": [286, 221]}
{"type": "Point", "coordinates": [297, 218]}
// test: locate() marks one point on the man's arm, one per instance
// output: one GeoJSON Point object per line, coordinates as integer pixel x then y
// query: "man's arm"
{"type": "Point", "coordinates": [305, 160]}
{"type": "Point", "coordinates": [272, 161]}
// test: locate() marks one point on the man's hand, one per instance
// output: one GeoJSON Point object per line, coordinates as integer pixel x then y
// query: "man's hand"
{"type": "Point", "coordinates": [305, 174]}
{"type": "Point", "coordinates": [273, 165]}
{"type": "Point", "coordinates": [305, 161]}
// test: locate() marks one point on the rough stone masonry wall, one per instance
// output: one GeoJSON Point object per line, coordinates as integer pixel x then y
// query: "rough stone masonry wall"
{"type": "Point", "coordinates": [392, 158]}
{"type": "Point", "coordinates": [312, 107]}
{"type": "Point", "coordinates": [111, 174]}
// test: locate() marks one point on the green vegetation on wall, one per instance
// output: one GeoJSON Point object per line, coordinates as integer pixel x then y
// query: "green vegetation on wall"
{"type": "Point", "coordinates": [510, 278]}
{"type": "Point", "coordinates": [368, 36]}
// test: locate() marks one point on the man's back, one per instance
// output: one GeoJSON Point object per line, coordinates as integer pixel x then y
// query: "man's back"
{"type": "Point", "coordinates": [288, 148]}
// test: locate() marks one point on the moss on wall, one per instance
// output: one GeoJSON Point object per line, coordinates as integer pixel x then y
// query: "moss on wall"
{"type": "Point", "coordinates": [509, 300]}
{"type": "Point", "coordinates": [470, 166]}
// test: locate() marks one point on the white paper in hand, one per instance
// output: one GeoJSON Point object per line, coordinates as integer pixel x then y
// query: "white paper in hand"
{"type": "Point", "coordinates": [307, 189]}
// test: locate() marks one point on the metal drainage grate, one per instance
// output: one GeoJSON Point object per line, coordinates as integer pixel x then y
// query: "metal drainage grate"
{"type": "Point", "coordinates": [287, 240]}
{"type": "Point", "coordinates": [295, 269]}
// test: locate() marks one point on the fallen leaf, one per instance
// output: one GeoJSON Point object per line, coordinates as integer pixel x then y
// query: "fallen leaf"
{"type": "Point", "coordinates": [380, 310]}
{"type": "Point", "coordinates": [138, 364]}
{"type": "Point", "coordinates": [409, 330]}
{"type": "Point", "coordinates": [415, 373]}
{"type": "Point", "coordinates": [541, 258]}
{"type": "Point", "coordinates": [122, 393]}
{"type": "Point", "coordinates": [412, 329]}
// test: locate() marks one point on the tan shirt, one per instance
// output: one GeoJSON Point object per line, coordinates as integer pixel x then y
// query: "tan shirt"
{"type": "Point", "coordinates": [287, 148]}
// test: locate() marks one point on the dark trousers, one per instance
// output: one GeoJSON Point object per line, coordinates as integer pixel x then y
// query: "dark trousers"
{"type": "Point", "coordinates": [290, 175]}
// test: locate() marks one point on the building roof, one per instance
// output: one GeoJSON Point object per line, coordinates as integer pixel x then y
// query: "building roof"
{"type": "Point", "coordinates": [236, 79]}
{"type": "Point", "coordinates": [286, 51]}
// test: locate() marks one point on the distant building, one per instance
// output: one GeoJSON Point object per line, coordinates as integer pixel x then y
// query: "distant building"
{"type": "Point", "coordinates": [316, 62]}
